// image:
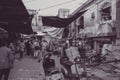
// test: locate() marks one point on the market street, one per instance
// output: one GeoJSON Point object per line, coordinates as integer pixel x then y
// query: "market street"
{"type": "Point", "coordinates": [59, 40]}
{"type": "Point", "coordinates": [27, 69]}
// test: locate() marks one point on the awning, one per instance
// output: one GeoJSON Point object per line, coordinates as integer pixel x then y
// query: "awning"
{"type": "Point", "coordinates": [14, 16]}
{"type": "Point", "coordinates": [55, 21]}
{"type": "Point", "coordinates": [54, 32]}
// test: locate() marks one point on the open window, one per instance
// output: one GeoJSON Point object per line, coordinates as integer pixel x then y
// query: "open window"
{"type": "Point", "coordinates": [105, 11]}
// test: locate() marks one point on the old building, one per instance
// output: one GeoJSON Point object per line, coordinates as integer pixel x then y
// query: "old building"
{"type": "Point", "coordinates": [99, 24]}
{"type": "Point", "coordinates": [63, 13]}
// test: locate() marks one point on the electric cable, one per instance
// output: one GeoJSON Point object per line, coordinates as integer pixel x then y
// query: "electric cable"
{"type": "Point", "coordinates": [57, 4]}
{"type": "Point", "coordinates": [42, 8]}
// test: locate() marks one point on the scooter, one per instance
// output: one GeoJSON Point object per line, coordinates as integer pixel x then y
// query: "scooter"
{"type": "Point", "coordinates": [54, 74]}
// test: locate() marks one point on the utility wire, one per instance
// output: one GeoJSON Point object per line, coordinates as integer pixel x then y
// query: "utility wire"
{"type": "Point", "coordinates": [52, 5]}
{"type": "Point", "coordinates": [42, 8]}
{"type": "Point", "coordinates": [57, 5]}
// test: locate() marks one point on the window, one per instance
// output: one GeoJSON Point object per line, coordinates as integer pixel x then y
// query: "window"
{"type": "Point", "coordinates": [93, 15]}
{"type": "Point", "coordinates": [81, 22]}
{"type": "Point", "coordinates": [106, 11]}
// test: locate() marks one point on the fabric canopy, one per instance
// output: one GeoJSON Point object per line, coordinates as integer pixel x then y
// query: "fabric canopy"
{"type": "Point", "coordinates": [54, 32]}
{"type": "Point", "coordinates": [59, 22]}
{"type": "Point", "coordinates": [14, 16]}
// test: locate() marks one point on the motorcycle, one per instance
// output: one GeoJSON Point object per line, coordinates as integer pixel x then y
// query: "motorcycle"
{"type": "Point", "coordinates": [54, 74]}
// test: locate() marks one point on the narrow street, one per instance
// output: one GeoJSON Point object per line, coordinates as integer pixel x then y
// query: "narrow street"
{"type": "Point", "coordinates": [59, 40]}
{"type": "Point", "coordinates": [27, 69]}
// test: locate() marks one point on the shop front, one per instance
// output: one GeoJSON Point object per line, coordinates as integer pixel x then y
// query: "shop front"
{"type": "Point", "coordinates": [100, 41]}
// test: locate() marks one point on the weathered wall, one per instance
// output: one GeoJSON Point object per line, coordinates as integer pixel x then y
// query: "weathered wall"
{"type": "Point", "coordinates": [90, 16]}
{"type": "Point", "coordinates": [118, 19]}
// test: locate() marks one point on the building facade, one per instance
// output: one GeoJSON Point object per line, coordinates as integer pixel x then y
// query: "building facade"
{"type": "Point", "coordinates": [63, 13]}
{"type": "Point", "coordinates": [100, 23]}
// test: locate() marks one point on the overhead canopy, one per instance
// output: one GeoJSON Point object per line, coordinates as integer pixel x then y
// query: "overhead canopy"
{"type": "Point", "coordinates": [54, 32]}
{"type": "Point", "coordinates": [14, 16]}
{"type": "Point", "coordinates": [55, 21]}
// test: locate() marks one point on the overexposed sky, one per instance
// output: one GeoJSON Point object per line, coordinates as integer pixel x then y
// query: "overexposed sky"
{"type": "Point", "coordinates": [50, 7]}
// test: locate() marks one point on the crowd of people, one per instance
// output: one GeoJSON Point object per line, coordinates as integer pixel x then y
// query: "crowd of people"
{"type": "Point", "coordinates": [30, 47]}
{"type": "Point", "coordinates": [6, 56]}
{"type": "Point", "coordinates": [40, 50]}
{"type": "Point", "coordinates": [20, 47]}
{"type": "Point", "coordinates": [15, 49]}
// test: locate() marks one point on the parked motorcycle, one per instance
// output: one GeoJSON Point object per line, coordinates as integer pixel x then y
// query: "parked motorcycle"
{"type": "Point", "coordinates": [54, 74]}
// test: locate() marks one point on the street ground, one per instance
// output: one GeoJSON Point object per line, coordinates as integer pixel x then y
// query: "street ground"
{"type": "Point", "coordinates": [29, 69]}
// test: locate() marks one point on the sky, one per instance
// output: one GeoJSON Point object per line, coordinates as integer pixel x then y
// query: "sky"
{"type": "Point", "coordinates": [50, 7]}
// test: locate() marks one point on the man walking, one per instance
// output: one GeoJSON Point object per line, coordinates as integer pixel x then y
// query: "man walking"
{"type": "Point", "coordinates": [21, 48]}
{"type": "Point", "coordinates": [6, 60]}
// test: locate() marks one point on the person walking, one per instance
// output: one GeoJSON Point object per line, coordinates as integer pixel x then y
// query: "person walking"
{"type": "Point", "coordinates": [28, 48]}
{"type": "Point", "coordinates": [21, 48]}
{"type": "Point", "coordinates": [36, 49]}
{"type": "Point", "coordinates": [6, 60]}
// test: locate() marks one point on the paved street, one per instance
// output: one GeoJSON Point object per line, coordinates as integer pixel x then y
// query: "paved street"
{"type": "Point", "coordinates": [27, 69]}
